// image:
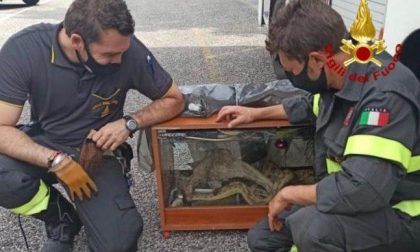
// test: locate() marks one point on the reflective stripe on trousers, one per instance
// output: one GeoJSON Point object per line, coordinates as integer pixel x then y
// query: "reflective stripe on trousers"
{"type": "Point", "coordinates": [37, 204]}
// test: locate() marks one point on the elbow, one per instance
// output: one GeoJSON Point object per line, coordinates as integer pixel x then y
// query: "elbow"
{"type": "Point", "coordinates": [180, 103]}
{"type": "Point", "coordinates": [175, 105]}
{"type": "Point", "coordinates": [176, 100]}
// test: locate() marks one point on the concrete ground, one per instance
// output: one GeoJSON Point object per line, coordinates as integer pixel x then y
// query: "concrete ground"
{"type": "Point", "coordinates": [197, 41]}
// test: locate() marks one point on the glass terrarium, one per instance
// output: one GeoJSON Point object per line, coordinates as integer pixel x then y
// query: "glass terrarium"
{"type": "Point", "coordinates": [241, 167]}
{"type": "Point", "coordinates": [210, 177]}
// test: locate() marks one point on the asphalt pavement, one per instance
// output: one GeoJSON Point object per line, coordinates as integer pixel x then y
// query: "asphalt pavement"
{"type": "Point", "coordinates": [196, 41]}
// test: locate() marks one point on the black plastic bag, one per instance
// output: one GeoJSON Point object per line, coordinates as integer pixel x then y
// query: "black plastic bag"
{"type": "Point", "coordinates": [267, 94]}
{"type": "Point", "coordinates": [205, 100]}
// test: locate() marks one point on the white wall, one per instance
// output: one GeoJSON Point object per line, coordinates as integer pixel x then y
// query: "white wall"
{"type": "Point", "coordinates": [402, 17]}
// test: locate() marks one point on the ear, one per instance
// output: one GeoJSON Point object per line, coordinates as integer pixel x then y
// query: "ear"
{"type": "Point", "coordinates": [77, 42]}
{"type": "Point", "coordinates": [317, 60]}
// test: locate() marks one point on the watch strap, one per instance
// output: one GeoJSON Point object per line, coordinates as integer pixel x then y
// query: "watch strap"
{"type": "Point", "coordinates": [128, 118]}
{"type": "Point", "coordinates": [52, 157]}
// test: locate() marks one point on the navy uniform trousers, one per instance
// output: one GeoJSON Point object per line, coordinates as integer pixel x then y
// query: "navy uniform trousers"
{"type": "Point", "coordinates": [313, 231]}
{"type": "Point", "coordinates": [110, 218]}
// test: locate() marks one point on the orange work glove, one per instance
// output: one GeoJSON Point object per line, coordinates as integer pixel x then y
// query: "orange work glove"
{"type": "Point", "coordinates": [71, 174]}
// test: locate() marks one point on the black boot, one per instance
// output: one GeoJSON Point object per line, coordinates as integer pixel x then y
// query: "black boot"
{"type": "Point", "coordinates": [62, 223]}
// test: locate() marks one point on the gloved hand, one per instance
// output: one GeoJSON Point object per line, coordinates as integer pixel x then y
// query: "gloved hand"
{"type": "Point", "coordinates": [70, 173]}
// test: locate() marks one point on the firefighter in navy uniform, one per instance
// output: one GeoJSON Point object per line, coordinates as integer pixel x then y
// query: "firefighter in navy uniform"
{"type": "Point", "coordinates": [76, 76]}
{"type": "Point", "coordinates": [367, 144]}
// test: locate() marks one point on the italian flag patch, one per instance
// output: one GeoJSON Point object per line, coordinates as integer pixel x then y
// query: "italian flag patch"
{"type": "Point", "coordinates": [374, 117]}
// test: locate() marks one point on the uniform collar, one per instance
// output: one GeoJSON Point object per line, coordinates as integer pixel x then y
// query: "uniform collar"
{"type": "Point", "coordinates": [352, 90]}
{"type": "Point", "coordinates": [58, 57]}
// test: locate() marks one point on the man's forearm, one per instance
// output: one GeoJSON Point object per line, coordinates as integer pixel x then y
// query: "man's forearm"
{"type": "Point", "coordinates": [16, 144]}
{"type": "Point", "coordinates": [159, 111]}
{"type": "Point", "coordinates": [299, 195]}
{"type": "Point", "coordinates": [272, 112]}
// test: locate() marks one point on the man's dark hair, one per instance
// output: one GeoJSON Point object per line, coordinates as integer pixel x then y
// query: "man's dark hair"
{"type": "Point", "coordinates": [89, 17]}
{"type": "Point", "coordinates": [304, 26]}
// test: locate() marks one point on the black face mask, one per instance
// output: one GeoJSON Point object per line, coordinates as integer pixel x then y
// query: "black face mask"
{"type": "Point", "coordinates": [303, 81]}
{"type": "Point", "coordinates": [94, 67]}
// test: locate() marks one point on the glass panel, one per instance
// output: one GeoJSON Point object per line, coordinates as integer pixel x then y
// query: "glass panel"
{"type": "Point", "coordinates": [233, 167]}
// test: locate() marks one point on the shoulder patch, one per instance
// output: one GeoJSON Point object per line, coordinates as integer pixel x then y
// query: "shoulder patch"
{"type": "Point", "coordinates": [374, 117]}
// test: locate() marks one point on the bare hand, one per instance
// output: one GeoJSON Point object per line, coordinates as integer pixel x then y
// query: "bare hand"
{"type": "Point", "coordinates": [276, 206]}
{"type": "Point", "coordinates": [110, 136]}
{"type": "Point", "coordinates": [236, 115]}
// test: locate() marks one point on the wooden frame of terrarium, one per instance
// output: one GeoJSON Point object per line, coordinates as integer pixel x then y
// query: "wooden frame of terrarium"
{"type": "Point", "coordinates": [208, 217]}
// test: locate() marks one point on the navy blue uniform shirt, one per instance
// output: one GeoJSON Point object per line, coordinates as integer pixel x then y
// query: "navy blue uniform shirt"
{"type": "Point", "coordinates": [65, 99]}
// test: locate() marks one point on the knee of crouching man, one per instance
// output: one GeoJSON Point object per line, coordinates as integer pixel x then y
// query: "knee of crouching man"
{"type": "Point", "coordinates": [252, 239]}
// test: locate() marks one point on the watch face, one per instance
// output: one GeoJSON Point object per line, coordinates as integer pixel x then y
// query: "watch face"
{"type": "Point", "coordinates": [131, 125]}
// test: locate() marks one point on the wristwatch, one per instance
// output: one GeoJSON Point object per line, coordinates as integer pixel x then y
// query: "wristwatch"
{"type": "Point", "coordinates": [131, 124]}
{"type": "Point", "coordinates": [56, 158]}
